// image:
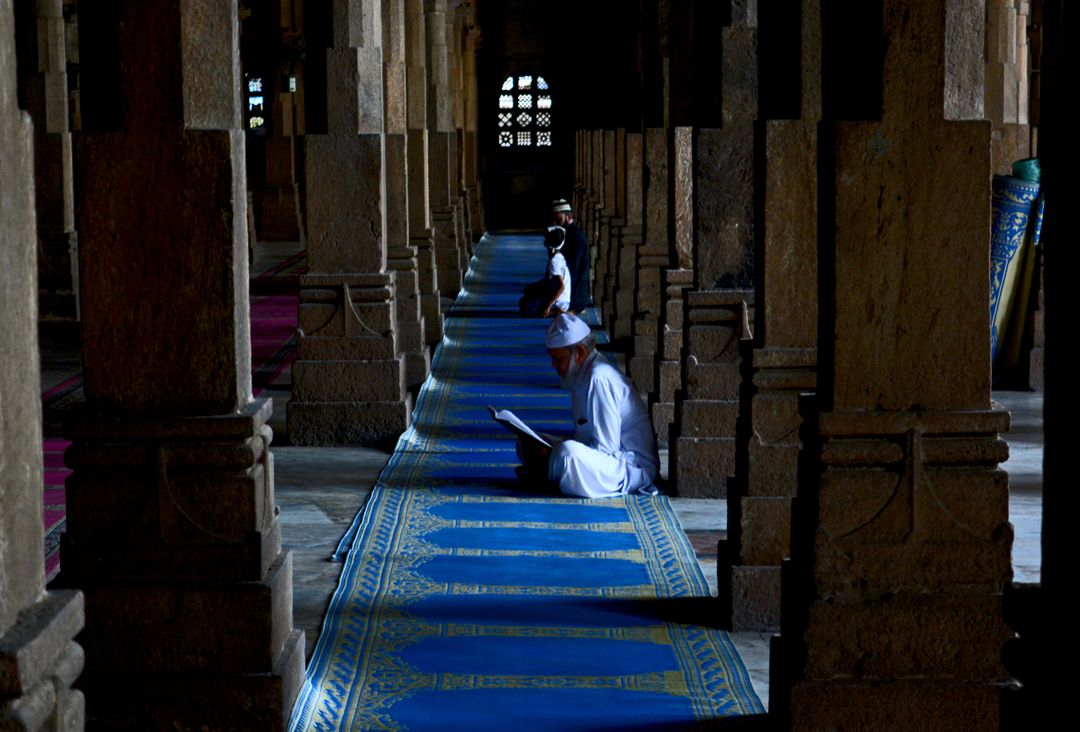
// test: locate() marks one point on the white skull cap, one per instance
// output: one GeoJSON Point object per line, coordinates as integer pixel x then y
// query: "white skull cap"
{"type": "Point", "coordinates": [566, 330]}
{"type": "Point", "coordinates": [560, 206]}
{"type": "Point", "coordinates": [556, 237]}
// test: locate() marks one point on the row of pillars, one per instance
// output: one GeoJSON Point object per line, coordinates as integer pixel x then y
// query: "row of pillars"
{"type": "Point", "coordinates": [804, 300]}
{"type": "Point", "coordinates": [173, 574]}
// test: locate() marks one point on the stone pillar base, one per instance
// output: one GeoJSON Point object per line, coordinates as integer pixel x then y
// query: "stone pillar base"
{"type": "Point", "coordinates": [447, 251]}
{"type": "Point", "coordinates": [892, 605]}
{"type": "Point", "coordinates": [348, 423]}
{"type": "Point", "coordinates": [668, 368]}
{"type": "Point", "coordinates": [749, 595]}
{"type": "Point", "coordinates": [642, 365]}
{"type": "Point", "coordinates": [430, 296]}
{"type": "Point", "coordinates": [894, 705]}
{"type": "Point", "coordinates": [411, 326]}
{"type": "Point", "coordinates": [203, 701]}
{"type": "Point", "coordinates": [173, 538]}
{"type": "Point", "coordinates": [625, 283]}
{"type": "Point", "coordinates": [703, 433]}
{"type": "Point", "coordinates": [349, 375]}
{"type": "Point", "coordinates": [699, 465]}
{"type": "Point", "coordinates": [433, 318]}
{"type": "Point", "coordinates": [58, 276]}
{"type": "Point", "coordinates": [464, 239]}
{"type": "Point", "coordinates": [417, 368]}
{"type": "Point", "coordinates": [39, 661]}
{"type": "Point", "coordinates": [476, 216]}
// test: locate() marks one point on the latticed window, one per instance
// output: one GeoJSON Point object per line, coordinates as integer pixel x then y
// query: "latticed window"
{"type": "Point", "coordinates": [529, 122]}
{"type": "Point", "coordinates": [256, 112]}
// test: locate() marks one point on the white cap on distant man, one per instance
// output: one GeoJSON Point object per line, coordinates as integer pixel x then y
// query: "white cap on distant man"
{"type": "Point", "coordinates": [555, 238]}
{"type": "Point", "coordinates": [566, 330]}
{"type": "Point", "coordinates": [560, 206]}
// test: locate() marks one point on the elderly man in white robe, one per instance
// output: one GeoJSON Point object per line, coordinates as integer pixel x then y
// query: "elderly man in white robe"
{"type": "Point", "coordinates": [613, 452]}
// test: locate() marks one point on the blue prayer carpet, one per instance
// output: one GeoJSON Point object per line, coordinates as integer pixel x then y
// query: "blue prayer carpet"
{"type": "Point", "coordinates": [469, 603]}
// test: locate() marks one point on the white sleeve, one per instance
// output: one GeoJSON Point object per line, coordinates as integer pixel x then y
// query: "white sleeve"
{"type": "Point", "coordinates": [604, 415]}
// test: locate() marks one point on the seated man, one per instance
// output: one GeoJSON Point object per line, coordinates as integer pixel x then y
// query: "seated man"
{"type": "Point", "coordinates": [557, 271]}
{"type": "Point", "coordinates": [614, 449]}
{"type": "Point", "coordinates": [577, 255]}
{"type": "Point", "coordinates": [551, 294]}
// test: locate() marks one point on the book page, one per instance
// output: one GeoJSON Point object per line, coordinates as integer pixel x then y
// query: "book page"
{"type": "Point", "coordinates": [510, 420]}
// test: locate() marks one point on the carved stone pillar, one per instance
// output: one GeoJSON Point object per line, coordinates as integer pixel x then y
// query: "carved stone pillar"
{"type": "Point", "coordinates": [653, 257]}
{"type": "Point", "coordinates": [279, 199]}
{"type": "Point", "coordinates": [1006, 84]}
{"type": "Point", "coordinates": [892, 613]}
{"type": "Point", "coordinates": [349, 376]}
{"type": "Point", "coordinates": [39, 659]}
{"type": "Point", "coordinates": [779, 363]}
{"type": "Point", "coordinates": [609, 220]}
{"type": "Point", "coordinates": [421, 235]}
{"type": "Point", "coordinates": [42, 66]}
{"type": "Point", "coordinates": [676, 281]}
{"type": "Point", "coordinates": [172, 532]}
{"type": "Point", "coordinates": [442, 143]}
{"type": "Point", "coordinates": [582, 157]}
{"type": "Point", "coordinates": [702, 436]}
{"type": "Point", "coordinates": [456, 89]}
{"type": "Point", "coordinates": [615, 184]}
{"type": "Point", "coordinates": [470, 154]}
{"type": "Point", "coordinates": [625, 264]}
{"type": "Point", "coordinates": [401, 253]}
{"type": "Point", "coordinates": [723, 263]}
{"type": "Point", "coordinates": [595, 203]}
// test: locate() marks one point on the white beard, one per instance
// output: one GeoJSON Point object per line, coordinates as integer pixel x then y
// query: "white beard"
{"type": "Point", "coordinates": [567, 382]}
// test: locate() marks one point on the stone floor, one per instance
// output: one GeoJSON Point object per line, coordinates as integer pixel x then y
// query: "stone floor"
{"type": "Point", "coordinates": [320, 491]}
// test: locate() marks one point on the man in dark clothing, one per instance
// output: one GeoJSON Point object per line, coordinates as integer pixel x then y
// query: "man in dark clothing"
{"type": "Point", "coordinates": [577, 256]}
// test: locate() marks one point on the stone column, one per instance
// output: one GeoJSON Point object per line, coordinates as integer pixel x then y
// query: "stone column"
{"type": "Point", "coordinates": [401, 253]}
{"type": "Point", "coordinates": [677, 280]}
{"type": "Point", "coordinates": [349, 376]}
{"type": "Point", "coordinates": [456, 88]}
{"type": "Point", "coordinates": [279, 199]}
{"type": "Point", "coordinates": [652, 259]}
{"type": "Point", "coordinates": [577, 199]}
{"type": "Point", "coordinates": [442, 141]}
{"type": "Point", "coordinates": [1006, 85]}
{"type": "Point", "coordinates": [703, 433]}
{"type": "Point", "coordinates": [470, 154]}
{"type": "Point", "coordinates": [421, 235]}
{"type": "Point", "coordinates": [42, 66]}
{"type": "Point", "coordinates": [39, 659]}
{"type": "Point", "coordinates": [892, 612]}
{"type": "Point", "coordinates": [625, 262]}
{"type": "Point", "coordinates": [620, 233]}
{"type": "Point", "coordinates": [172, 532]}
{"type": "Point", "coordinates": [608, 220]}
{"type": "Point", "coordinates": [595, 203]}
{"type": "Point", "coordinates": [779, 363]}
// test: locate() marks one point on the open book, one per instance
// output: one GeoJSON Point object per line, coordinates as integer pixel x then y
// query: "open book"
{"type": "Point", "coordinates": [510, 421]}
